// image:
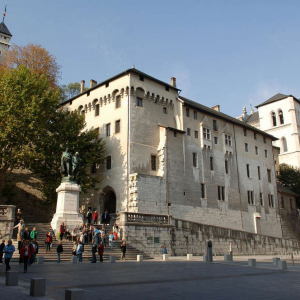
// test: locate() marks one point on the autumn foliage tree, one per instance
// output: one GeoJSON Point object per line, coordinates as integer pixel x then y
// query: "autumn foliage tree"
{"type": "Point", "coordinates": [35, 58]}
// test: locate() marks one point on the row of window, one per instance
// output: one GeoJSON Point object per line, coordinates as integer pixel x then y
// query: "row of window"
{"type": "Point", "coordinates": [258, 173]}
{"type": "Point", "coordinates": [274, 119]}
{"type": "Point", "coordinates": [117, 127]}
{"type": "Point", "coordinates": [256, 150]}
{"type": "Point", "coordinates": [282, 203]}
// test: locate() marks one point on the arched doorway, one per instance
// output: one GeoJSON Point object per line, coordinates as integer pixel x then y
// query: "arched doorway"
{"type": "Point", "coordinates": [108, 200]}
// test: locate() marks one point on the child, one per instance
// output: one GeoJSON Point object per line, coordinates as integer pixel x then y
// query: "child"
{"type": "Point", "coordinates": [59, 251]}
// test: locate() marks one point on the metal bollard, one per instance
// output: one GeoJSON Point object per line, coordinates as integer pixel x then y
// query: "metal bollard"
{"type": "Point", "coordinates": [38, 287]}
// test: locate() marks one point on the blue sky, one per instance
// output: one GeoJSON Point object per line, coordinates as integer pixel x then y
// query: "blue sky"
{"type": "Point", "coordinates": [221, 52]}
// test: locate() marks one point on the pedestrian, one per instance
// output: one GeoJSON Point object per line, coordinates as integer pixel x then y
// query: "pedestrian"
{"type": "Point", "coordinates": [20, 245]}
{"type": "Point", "coordinates": [85, 234]}
{"type": "Point", "coordinates": [90, 234]}
{"type": "Point", "coordinates": [74, 235]}
{"type": "Point", "coordinates": [105, 219]}
{"type": "Point", "coordinates": [100, 251]}
{"type": "Point", "coordinates": [59, 250]}
{"type": "Point", "coordinates": [21, 227]}
{"type": "Point", "coordinates": [74, 249]}
{"type": "Point", "coordinates": [33, 234]}
{"type": "Point", "coordinates": [123, 251]}
{"type": "Point", "coordinates": [163, 251]}
{"type": "Point", "coordinates": [68, 235]}
{"type": "Point", "coordinates": [95, 217]}
{"type": "Point", "coordinates": [111, 238]}
{"type": "Point", "coordinates": [81, 238]}
{"type": "Point", "coordinates": [89, 216]}
{"type": "Point", "coordinates": [48, 242]}
{"type": "Point", "coordinates": [26, 253]}
{"type": "Point", "coordinates": [9, 249]}
{"type": "Point", "coordinates": [19, 215]}
{"type": "Point", "coordinates": [116, 229]}
{"type": "Point", "coordinates": [2, 245]}
{"type": "Point", "coordinates": [19, 240]}
{"type": "Point", "coordinates": [26, 234]}
{"type": "Point", "coordinates": [103, 238]}
{"type": "Point", "coordinates": [62, 230]}
{"type": "Point", "coordinates": [96, 234]}
{"type": "Point", "coordinates": [35, 252]}
{"type": "Point", "coordinates": [94, 250]}
{"type": "Point", "coordinates": [79, 251]}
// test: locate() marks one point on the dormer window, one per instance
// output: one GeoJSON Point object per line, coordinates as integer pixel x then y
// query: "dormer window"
{"type": "Point", "coordinates": [206, 133]}
{"type": "Point", "coordinates": [227, 140]}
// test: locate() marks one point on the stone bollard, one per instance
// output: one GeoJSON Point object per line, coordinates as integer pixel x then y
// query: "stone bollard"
{"type": "Point", "coordinates": [139, 258]}
{"type": "Point", "coordinates": [205, 258]}
{"type": "Point", "coordinates": [227, 257]}
{"type": "Point", "coordinates": [282, 265]}
{"type": "Point", "coordinates": [251, 262]}
{"type": "Point", "coordinates": [40, 260]}
{"type": "Point", "coordinates": [38, 287]}
{"type": "Point", "coordinates": [165, 257]}
{"type": "Point", "coordinates": [74, 259]}
{"type": "Point", "coordinates": [112, 259]}
{"type": "Point", "coordinates": [275, 261]}
{"type": "Point", "coordinates": [189, 256]}
{"type": "Point", "coordinates": [11, 278]}
{"type": "Point", "coordinates": [74, 294]}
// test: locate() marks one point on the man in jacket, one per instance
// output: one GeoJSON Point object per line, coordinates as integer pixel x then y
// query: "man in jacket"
{"type": "Point", "coordinates": [9, 249]}
{"type": "Point", "coordinates": [2, 245]}
{"type": "Point", "coordinates": [89, 217]}
{"type": "Point", "coordinates": [94, 250]}
{"type": "Point", "coordinates": [26, 234]}
{"type": "Point", "coordinates": [105, 218]}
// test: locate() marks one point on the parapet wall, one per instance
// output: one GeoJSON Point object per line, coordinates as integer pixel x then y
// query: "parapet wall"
{"type": "Point", "coordinates": [182, 237]}
{"type": "Point", "coordinates": [7, 217]}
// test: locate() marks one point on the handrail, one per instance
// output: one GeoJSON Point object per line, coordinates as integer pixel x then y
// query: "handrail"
{"type": "Point", "coordinates": [127, 234]}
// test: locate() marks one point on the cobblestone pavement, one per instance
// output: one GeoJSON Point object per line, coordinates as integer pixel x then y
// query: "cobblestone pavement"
{"type": "Point", "coordinates": [176, 279]}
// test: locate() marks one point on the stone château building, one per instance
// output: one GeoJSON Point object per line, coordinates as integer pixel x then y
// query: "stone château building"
{"type": "Point", "coordinates": [169, 155]}
{"type": "Point", "coordinates": [5, 37]}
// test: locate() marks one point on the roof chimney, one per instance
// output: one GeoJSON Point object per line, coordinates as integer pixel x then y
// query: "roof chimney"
{"type": "Point", "coordinates": [82, 86]}
{"type": "Point", "coordinates": [216, 107]}
{"type": "Point", "coordinates": [92, 83]}
{"type": "Point", "coordinates": [173, 82]}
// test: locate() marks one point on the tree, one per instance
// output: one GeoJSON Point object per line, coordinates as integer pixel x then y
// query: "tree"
{"type": "Point", "coordinates": [70, 90]}
{"type": "Point", "coordinates": [289, 177]}
{"type": "Point", "coordinates": [35, 58]}
{"type": "Point", "coordinates": [34, 132]}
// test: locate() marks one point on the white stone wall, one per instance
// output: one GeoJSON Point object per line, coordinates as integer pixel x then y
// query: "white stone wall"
{"type": "Point", "coordinates": [7, 218]}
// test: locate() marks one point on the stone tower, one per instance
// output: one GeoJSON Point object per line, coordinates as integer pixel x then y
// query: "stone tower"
{"type": "Point", "coordinates": [5, 37]}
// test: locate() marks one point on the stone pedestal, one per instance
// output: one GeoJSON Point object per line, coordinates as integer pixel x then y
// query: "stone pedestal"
{"type": "Point", "coordinates": [139, 258]}
{"type": "Point", "coordinates": [112, 259]}
{"type": "Point", "coordinates": [38, 287]}
{"type": "Point", "coordinates": [251, 262]}
{"type": "Point", "coordinates": [275, 261]}
{"type": "Point", "coordinates": [67, 208]}
{"type": "Point", "coordinates": [189, 256]}
{"type": "Point", "coordinates": [11, 278]}
{"type": "Point", "coordinates": [74, 294]}
{"type": "Point", "coordinates": [40, 260]}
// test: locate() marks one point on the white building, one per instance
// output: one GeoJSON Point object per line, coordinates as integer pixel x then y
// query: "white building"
{"type": "Point", "coordinates": [5, 37]}
{"type": "Point", "coordinates": [168, 155]}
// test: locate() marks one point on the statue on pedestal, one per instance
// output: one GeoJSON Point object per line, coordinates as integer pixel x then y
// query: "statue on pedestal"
{"type": "Point", "coordinates": [70, 166]}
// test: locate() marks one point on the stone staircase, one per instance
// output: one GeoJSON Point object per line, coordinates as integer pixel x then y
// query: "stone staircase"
{"type": "Point", "coordinates": [289, 227]}
{"type": "Point", "coordinates": [43, 228]}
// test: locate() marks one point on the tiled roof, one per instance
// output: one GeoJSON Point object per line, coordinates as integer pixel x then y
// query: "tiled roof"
{"type": "Point", "coordinates": [285, 190]}
{"type": "Point", "coordinates": [213, 112]}
{"type": "Point", "coordinates": [275, 98]}
{"type": "Point", "coordinates": [4, 29]}
{"type": "Point", "coordinates": [252, 118]}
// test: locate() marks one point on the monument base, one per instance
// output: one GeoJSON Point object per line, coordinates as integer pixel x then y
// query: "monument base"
{"type": "Point", "coordinates": [67, 208]}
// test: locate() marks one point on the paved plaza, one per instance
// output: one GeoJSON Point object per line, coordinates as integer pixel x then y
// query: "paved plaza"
{"type": "Point", "coordinates": [174, 279]}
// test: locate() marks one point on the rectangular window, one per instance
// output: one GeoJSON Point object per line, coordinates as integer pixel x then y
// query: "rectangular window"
{"type": "Point", "coordinates": [266, 153]}
{"type": "Point", "coordinates": [139, 102]}
{"type": "Point", "coordinates": [250, 197]}
{"type": "Point", "coordinates": [261, 199]}
{"type": "Point", "coordinates": [167, 88]}
{"type": "Point", "coordinates": [108, 129]}
{"type": "Point", "coordinates": [269, 175]}
{"type": "Point", "coordinates": [97, 110]}
{"type": "Point", "coordinates": [264, 139]}
{"type": "Point", "coordinates": [216, 140]}
{"type": "Point", "coordinates": [141, 78]}
{"type": "Point", "coordinates": [256, 150]}
{"type": "Point", "coordinates": [206, 133]}
{"type": "Point", "coordinates": [245, 132]}
{"type": "Point", "coordinates": [188, 131]}
{"type": "Point", "coordinates": [118, 101]}
{"type": "Point", "coordinates": [195, 115]}
{"type": "Point", "coordinates": [227, 140]}
{"type": "Point", "coordinates": [271, 200]}
{"type": "Point", "coordinates": [187, 112]}
{"type": "Point", "coordinates": [194, 159]}
{"type": "Point", "coordinates": [255, 137]}
{"type": "Point", "coordinates": [215, 126]}
{"type": "Point", "coordinates": [248, 170]}
{"type": "Point", "coordinates": [282, 202]}
{"type": "Point", "coordinates": [211, 162]}
{"type": "Point", "coordinates": [221, 193]}
{"type": "Point", "coordinates": [203, 190]}
{"type": "Point", "coordinates": [226, 166]}
{"type": "Point", "coordinates": [153, 162]}
{"type": "Point", "coordinates": [108, 162]}
{"type": "Point", "coordinates": [246, 147]}
{"type": "Point", "coordinates": [258, 172]}
{"type": "Point", "coordinates": [118, 126]}
{"type": "Point", "coordinates": [165, 110]}
{"type": "Point", "coordinates": [107, 84]}
{"type": "Point", "coordinates": [196, 134]}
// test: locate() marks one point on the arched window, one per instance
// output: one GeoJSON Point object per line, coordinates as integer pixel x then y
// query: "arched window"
{"type": "Point", "coordinates": [273, 116]}
{"type": "Point", "coordinates": [284, 144]}
{"type": "Point", "coordinates": [281, 120]}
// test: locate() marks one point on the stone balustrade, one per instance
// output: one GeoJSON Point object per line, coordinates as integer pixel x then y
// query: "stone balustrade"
{"type": "Point", "coordinates": [147, 218]}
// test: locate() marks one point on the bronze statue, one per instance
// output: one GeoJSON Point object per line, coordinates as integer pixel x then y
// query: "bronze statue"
{"type": "Point", "coordinates": [76, 164]}
{"type": "Point", "coordinates": [70, 166]}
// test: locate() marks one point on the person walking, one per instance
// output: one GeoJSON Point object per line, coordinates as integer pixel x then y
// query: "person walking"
{"type": "Point", "coordinates": [62, 230]}
{"type": "Point", "coordinates": [9, 249]}
{"type": "Point", "coordinates": [48, 242]}
{"type": "Point", "coordinates": [26, 253]}
{"type": "Point", "coordinates": [2, 245]}
{"type": "Point", "coordinates": [111, 238]}
{"type": "Point", "coordinates": [95, 217]}
{"type": "Point", "coordinates": [89, 216]}
{"type": "Point", "coordinates": [20, 245]}
{"type": "Point", "coordinates": [79, 251]}
{"type": "Point", "coordinates": [96, 234]}
{"type": "Point", "coordinates": [94, 250]}
{"type": "Point", "coordinates": [59, 250]}
{"type": "Point", "coordinates": [100, 251]}
{"type": "Point", "coordinates": [19, 240]}
{"type": "Point", "coordinates": [35, 252]}
{"type": "Point", "coordinates": [123, 251]}
{"type": "Point", "coordinates": [33, 234]}
{"type": "Point", "coordinates": [103, 238]}
{"type": "Point", "coordinates": [115, 230]}
{"type": "Point", "coordinates": [26, 234]}
{"type": "Point", "coordinates": [21, 227]}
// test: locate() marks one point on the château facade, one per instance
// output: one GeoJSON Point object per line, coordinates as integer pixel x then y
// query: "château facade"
{"type": "Point", "coordinates": [172, 156]}
{"type": "Point", "coordinates": [5, 37]}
